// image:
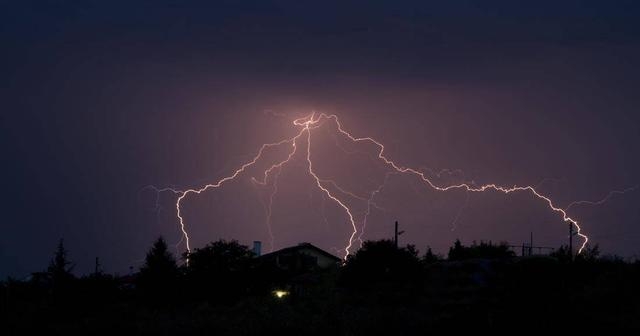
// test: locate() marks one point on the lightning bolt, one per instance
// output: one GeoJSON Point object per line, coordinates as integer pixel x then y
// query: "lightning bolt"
{"type": "Point", "coordinates": [454, 224]}
{"type": "Point", "coordinates": [465, 186]}
{"type": "Point", "coordinates": [158, 208]}
{"type": "Point", "coordinates": [269, 206]}
{"type": "Point", "coordinates": [325, 190]}
{"type": "Point", "coordinates": [370, 203]}
{"type": "Point", "coordinates": [331, 190]}
{"type": "Point", "coordinates": [602, 200]}
{"type": "Point", "coordinates": [219, 183]}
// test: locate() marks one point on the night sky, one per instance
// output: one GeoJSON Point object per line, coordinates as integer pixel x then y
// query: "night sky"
{"type": "Point", "coordinates": [102, 98]}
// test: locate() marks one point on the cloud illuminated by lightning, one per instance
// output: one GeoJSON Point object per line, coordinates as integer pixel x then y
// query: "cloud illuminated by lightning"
{"type": "Point", "coordinates": [331, 190]}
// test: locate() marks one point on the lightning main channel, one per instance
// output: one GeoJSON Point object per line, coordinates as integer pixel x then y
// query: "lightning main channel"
{"type": "Point", "coordinates": [327, 186]}
{"type": "Point", "coordinates": [463, 186]}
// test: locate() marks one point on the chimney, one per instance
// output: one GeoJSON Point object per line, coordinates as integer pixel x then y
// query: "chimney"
{"type": "Point", "coordinates": [257, 247]}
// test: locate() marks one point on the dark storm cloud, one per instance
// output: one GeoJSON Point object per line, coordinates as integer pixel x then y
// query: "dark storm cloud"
{"type": "Point", "coordinates": [102, 98]}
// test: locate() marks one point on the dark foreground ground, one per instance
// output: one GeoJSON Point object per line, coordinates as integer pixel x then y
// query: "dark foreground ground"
{"type": "Point", "coordinates": [516, 295]}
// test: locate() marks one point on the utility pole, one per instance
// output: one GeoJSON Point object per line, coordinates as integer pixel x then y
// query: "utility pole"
{"type": "Point", "coordinates": [395, 239]}
{"type": "Point", "coordinates": [97, 269]}
{"type": "Point", "coordinates": [396, 234]}
{"type": "Point", "coordinates": [571, 240]}
{"type": "Point", "coordinates": [531, 244]}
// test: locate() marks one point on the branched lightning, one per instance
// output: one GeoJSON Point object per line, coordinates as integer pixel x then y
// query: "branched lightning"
{"type": "Point", "coordinates": [602, 200]}
{"type": "Point", "coordinates": [370, 203]}
{"type": "Point", "coordinates": [325, 190]}
{"type": "Point", "coordinates": [269, 206]}
{"type": "Point", "coordinates": [454, 224]}
{"type": "Point", "coordinates": [465, 186]}
{"type": "Point", "coordinates": [185, 193]}
{"type": "Point", "coordinates": [331, 190]}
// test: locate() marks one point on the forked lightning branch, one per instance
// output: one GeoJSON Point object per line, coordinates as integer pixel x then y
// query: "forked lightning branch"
{"type": "Point", "coordinates": [300, 144]}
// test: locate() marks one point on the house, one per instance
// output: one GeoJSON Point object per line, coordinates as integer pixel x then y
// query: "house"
{"type": "Point", "coordinates": [303, 257]}
{"type": "Point", "coordinates": [295, 270]}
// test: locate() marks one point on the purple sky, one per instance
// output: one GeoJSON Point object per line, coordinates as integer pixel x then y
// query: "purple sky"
{"type": "Point", "coordinates": [100, 100]}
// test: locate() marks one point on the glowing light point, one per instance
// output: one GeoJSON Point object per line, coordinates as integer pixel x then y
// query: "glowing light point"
{"type": "Point", "coordinates": [280, 294]}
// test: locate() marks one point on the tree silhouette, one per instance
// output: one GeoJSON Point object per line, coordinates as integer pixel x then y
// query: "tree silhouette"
{"type": "Point", "coordinates": [160, 272]}
{"type": "Point", "coordinates": [220, 269]}
{"type": "Point", "coordinates": [562, 254]}
{"type": "Point", "coordinates": [59, 275]}
{"type": "Point", "coordinates": [430, 257]}
{"type": "Point", "coordinates": [457, 251]}
{"type": "Point", "coordinates": [60, 267]}
{"type": "Point", "coordinates": [381, 261]}
{"type": "Point", "coordinates": [219, 256]}
{"type": "Point", "coordinates": [589, 254]}
{"type": "Point", "coordinates": [484, 250]}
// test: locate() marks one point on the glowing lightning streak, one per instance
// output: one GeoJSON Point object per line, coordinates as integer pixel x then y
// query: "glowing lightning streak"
{"type": "Point", "coordinates": [158, 207]}
{"type": "Point", "coordinates": [270, 212]}
{"type": "Point", "coordinates": [463, 186]}
{"type": "Point", "coordinates": [275, 185]}
{"type": "Point", "coordinates": [229, 178]}
{"type": "Point", "coordinates": [318, 180]}
{"type": "Point", "coordinates": [309, 123]}
{"type": "Point", "coordinates": [369, 203]}
{"type": "Point", "coordinates": [454, 224]}
{"type": "Point", "coordinates": [603, 200]}
{"type": "Point", "coordinates": [346, 192]}
{"type": "Point", "coordinates": [269, 207]}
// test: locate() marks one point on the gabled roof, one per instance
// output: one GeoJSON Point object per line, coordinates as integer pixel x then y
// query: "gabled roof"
{"type": "Point", "coordinates": [301, 246]}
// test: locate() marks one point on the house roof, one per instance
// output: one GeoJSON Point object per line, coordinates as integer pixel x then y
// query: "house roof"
{"type": "Point", "coordinates": [301, 246]}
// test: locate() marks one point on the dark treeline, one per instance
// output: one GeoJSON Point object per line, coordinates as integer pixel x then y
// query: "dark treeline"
{"type": "Point", "coordinates": [223, 288]}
